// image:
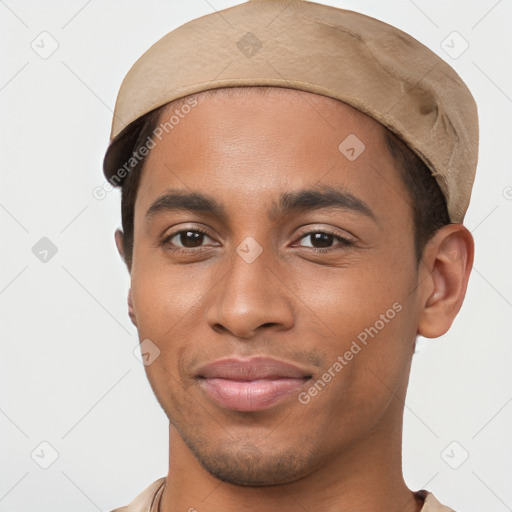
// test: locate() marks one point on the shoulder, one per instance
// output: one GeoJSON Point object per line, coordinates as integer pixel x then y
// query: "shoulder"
{"type": "Point", "coordinates": [143, 502]}
{"type": "Point", "coordinates": [431, 504]}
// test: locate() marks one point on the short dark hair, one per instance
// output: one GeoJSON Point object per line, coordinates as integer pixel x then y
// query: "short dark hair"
{"type": "Point", "coordinates": [427, 201]}
{"type": "Point", "coordinates": [430, 210]}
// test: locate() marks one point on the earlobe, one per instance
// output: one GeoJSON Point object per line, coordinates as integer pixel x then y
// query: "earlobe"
{"type": "Point", "coordinates": [449, 259]}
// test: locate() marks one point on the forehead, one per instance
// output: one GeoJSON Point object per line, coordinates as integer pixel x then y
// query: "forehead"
{"type": "Point", "coordinates": [253, 143]}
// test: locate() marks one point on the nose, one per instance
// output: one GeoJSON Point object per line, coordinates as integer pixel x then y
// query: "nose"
{"type": "Point", "coordinates": [249, 298]}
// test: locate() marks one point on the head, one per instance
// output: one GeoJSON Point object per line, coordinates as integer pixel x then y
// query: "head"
{"type": "Point", "coordinates": [349, 258]}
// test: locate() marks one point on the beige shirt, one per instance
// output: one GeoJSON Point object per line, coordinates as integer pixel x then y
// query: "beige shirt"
{"type": "Point", "coordinates": [149, 499]}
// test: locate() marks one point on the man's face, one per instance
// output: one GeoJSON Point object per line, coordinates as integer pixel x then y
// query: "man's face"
{"type": "Point", "coordinates": [309, 299]}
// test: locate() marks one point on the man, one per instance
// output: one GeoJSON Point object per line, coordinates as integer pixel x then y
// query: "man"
{"type": "Point", "coordinates": [294, 180]}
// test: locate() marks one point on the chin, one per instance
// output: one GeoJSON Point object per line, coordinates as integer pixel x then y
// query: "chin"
{"type": "Point", "coordinates": [247, 465]}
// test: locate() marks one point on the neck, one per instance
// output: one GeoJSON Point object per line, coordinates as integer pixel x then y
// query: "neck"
{"type": "Point", "coordinates": [367, 476]}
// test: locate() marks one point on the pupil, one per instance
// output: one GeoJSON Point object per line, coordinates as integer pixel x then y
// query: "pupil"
{"type": "Point", "coordinates": [324, 238]}
{"type": "Point", "coordinates": [194, 238]}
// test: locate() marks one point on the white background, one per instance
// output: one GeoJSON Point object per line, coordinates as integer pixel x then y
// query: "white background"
{"type": "Point", "coordinates": [68, 375]}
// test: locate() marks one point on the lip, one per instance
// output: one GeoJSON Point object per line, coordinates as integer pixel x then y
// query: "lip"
{"type": "Point", "coordinates": [250, 384]}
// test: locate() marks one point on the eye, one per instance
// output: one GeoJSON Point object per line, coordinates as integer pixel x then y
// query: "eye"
{"type": "Point", "coordinates": [186, 240]}
{"type": "Point", "coordinates": [322, 241]}
{"type": "Point", "coordinates": [192, 240]}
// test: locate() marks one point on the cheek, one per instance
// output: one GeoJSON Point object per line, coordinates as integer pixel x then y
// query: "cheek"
{"type": "Point", "coordinates": [165, 296]}
{"type": "Point", "coordinates": [167, 304]}
{"type": "Point", "coordinates": [351, 298]}
{"type": "Point", "coordinates": [371, 323]}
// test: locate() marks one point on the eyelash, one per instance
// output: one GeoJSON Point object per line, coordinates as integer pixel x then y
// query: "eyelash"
{"type": "Point", "coordinates": [187, 250]}
{"type": "Point", "coordinates": [345, 242]}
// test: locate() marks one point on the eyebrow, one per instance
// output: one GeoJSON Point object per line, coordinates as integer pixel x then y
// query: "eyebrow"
{"type": "Point", "coordinates": [177, 200]}
{"type": "Point", "coordinates": [314, 199]}
{"type": "Point", "coordinates": [290, 202]}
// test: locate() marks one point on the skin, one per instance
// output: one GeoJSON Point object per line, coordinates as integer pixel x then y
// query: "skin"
{"type": "Point", "coordinates": [341, 451]}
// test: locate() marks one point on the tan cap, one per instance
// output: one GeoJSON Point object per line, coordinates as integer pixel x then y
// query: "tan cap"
{"type": "Point", "coordinates": [298, 44]}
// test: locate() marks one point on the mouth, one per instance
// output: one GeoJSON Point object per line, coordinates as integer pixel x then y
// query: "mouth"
{"type": "Point", "coordinates": [251, 384]}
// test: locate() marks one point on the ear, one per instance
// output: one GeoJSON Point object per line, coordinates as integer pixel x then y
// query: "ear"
{"type": "Point", "coordinates": [131, 313]}
{"type": "Point", "coordinates": [119, 243]}
{"type": "Point", "coordinates": [447, 263]}
{"type": "Point", "coordinates": [120, 249]}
